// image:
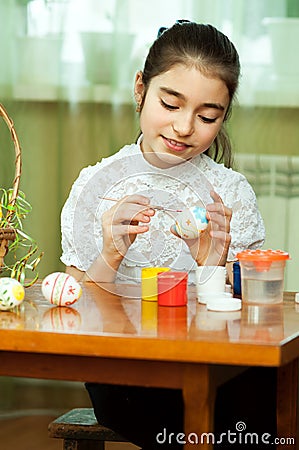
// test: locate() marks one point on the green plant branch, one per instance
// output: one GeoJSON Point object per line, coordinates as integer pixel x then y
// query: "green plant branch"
{"type": "Point", "coordinates": [23, 247]}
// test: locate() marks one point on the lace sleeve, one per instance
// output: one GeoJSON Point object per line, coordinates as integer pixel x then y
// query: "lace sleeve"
{"type": "Point", "coordinates": [247, 226]}
{"type": "Point", "coordinates": [76, 218]}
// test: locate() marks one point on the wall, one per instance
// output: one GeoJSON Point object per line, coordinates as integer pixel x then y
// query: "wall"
{"type": "Point", "coordinates": [265, 130]}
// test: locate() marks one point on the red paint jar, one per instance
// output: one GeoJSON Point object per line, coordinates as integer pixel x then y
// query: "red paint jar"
{"type": "Point", "coordinates": [172, 288]}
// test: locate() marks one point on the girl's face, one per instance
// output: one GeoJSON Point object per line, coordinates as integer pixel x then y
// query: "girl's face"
{"type": "Point", "coordinates": [182, 114]}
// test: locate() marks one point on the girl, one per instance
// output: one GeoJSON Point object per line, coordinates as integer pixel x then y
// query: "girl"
{"type": "Point", "coordinates": [183, 157]}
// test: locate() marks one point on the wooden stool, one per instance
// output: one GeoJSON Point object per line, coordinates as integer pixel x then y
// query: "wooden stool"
{"type": "Point", "coordinates": [80, 430]}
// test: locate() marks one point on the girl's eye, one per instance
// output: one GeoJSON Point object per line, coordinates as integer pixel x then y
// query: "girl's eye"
{"type": "Point", "coordinates": [207, 119]}
{"type": "Point", "coordinates": [173, 108]}
{"type": "Point", "coordinates": [167, 106]}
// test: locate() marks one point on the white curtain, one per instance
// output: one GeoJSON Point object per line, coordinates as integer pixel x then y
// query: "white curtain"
{"type": "Point", "coordinates": [81, 44]}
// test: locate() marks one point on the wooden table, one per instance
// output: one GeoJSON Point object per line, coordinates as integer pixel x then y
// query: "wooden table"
{"type": "Point", "coordinates": [111, 336]}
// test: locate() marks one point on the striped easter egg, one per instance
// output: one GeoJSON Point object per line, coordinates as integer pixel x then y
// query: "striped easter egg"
{"type": "Point", "coordinates": [61, 289]}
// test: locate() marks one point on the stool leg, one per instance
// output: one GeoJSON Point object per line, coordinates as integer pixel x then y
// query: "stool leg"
{"type": "Point", "coordinates": [90, 445]}
{"type": "Point", "coordinates": [69, 444]}
{"type": "Point", "coordinates": [83, 444]}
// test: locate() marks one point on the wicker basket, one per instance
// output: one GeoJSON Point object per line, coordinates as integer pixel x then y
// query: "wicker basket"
{"type": "Point", "coordinates": [8, 233]}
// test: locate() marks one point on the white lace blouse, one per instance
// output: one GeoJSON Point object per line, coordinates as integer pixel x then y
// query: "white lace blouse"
{"type": "Point", "coordinates": [186, 184]}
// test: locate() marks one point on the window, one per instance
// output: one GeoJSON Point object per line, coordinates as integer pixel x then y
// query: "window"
{"type": "Point", "coordinates": [90, 43]}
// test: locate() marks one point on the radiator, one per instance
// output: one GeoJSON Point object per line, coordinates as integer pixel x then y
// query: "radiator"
{"type": "Point", "coordinates": [275, 180]}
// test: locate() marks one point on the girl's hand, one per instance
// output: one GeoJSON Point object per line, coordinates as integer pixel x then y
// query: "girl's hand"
{"type": "Point", "coordinates": [211, 248]}
{"type": "Point", "coordinates": [120, 226]}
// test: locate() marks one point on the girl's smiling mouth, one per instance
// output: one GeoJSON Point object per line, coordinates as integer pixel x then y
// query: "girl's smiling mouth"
{"type": "Point", "coordinates": [175, 145]}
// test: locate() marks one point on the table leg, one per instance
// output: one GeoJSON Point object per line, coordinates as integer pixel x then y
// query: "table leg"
{"type": "Point", "coordinates": [199, 399]}
{"type": "Point", "coordinates": [287, 403]}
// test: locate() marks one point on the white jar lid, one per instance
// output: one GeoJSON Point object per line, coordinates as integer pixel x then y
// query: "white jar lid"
{"type": "Point", "coordinates": [205, 297]}
{"type": "Point", "coordinates": [224, 304]}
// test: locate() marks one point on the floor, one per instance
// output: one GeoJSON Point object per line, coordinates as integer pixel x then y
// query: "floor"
{"type": "Point", "coordinates": [28, 406]}
{"type": "Point", "coordinates": [27, 433]}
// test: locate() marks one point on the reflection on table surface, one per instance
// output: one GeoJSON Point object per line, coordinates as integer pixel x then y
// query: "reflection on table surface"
{"type": "Point", "coordinates": [118, 310]}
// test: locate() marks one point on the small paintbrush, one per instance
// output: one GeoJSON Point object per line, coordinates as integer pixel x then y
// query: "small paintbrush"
{"type": "Point", "coordinates": [159, 208]}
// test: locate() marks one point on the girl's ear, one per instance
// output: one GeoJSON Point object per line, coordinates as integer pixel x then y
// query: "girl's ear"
{"type": "Point", "coordinates": [139, 88]}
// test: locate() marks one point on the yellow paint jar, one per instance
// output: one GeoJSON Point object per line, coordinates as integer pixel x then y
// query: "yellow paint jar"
{"type": "Point", "coordinates": [149, 282]}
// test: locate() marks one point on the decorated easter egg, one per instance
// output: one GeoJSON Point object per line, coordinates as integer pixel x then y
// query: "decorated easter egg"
{"type": "Point", "coordinates": [191, 222]}
{"type": "Point", "coordinates": [61, 289]}
{"type": "Point", "coordinates": [12, 293]}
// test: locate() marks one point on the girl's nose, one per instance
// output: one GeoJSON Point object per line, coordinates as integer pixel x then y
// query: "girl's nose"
{"type": "Point", "coordinates": [183, 125]}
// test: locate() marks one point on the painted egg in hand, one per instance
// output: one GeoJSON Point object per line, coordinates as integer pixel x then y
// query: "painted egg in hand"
{"type": "Point", "coordinates": [191, 222]}
{"type": "Point", "coordinates": [12, 293]}
{"type": "Point", "coordinates": [61, 289]}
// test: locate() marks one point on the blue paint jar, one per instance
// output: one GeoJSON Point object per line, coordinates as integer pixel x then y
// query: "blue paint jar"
{"type": "Point", "coordinates": [237, 279]}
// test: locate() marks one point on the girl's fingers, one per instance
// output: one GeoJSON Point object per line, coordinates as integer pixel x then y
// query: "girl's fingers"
{"type": "Point", "coordinates": [219, 214]}
{"type": "Point", "coordinates": [136, 198]}
{"type": "Point", "coordinates": [128, 212]}
{"type": "Point", "coordinates": [127, 229]}
{"type": "Point", "coordinates": [219, 207]}
{"type": "Point", "coordinates": [221, 236]}
{"type": "Point", "coordinates": [137, 202]}
{"type": "Point", "coordinates": [220, 222]}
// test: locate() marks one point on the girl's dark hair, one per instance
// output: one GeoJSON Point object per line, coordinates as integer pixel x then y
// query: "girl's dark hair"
{"type": "Point", "coordinates": [209, 50]}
